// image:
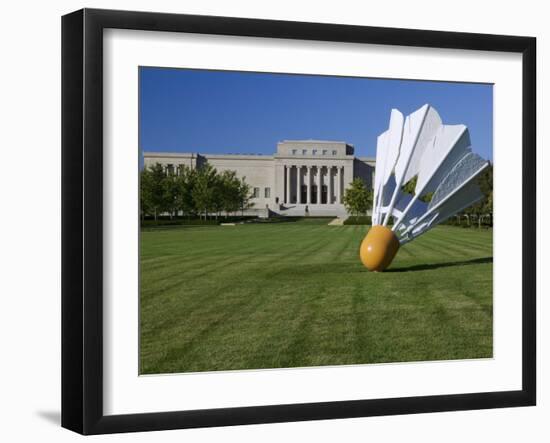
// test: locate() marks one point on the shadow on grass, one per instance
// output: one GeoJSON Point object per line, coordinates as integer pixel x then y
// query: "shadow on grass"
{"type": "Point", "coordinates": [427, 267]}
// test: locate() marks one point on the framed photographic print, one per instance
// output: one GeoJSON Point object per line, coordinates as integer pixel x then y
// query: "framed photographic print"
{"type": "Point", "coordinates": [269, 221]}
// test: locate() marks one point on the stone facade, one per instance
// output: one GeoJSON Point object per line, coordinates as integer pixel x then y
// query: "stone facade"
{"type": "Point", "coordinates": [288, 182]}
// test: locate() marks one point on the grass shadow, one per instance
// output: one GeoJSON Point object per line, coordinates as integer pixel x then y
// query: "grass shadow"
{"type": "Point", "coordinates": [427, 267]}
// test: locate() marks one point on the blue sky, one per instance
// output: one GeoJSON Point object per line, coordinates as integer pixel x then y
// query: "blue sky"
{"type": "Point", "coordinates": [237, 112]}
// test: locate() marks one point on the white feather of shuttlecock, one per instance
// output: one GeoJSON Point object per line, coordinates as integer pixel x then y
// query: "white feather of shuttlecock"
{"type": "Point", "coordinates": [439, 156]}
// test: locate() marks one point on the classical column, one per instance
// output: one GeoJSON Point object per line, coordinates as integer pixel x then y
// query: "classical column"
{"type": "Point", "coordinates": [343, 182]}
{"type": "Point", "coordinates": [298, 187]}
{"type": "Point", "coordinates": [287, 170]}
{"type": "Point", "coordinates": [339, 185]}
{"type": "Point", "coordinates": [329, 191]}
{"type": "Point", "coordinates": [309, 185]}
{"type": "Point", "coordinates": [319, 186]}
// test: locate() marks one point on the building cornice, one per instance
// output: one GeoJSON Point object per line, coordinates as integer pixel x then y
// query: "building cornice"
{"type": "Point", "coordinates": [331, 142]}
{"type": "Point", "coordinates": [238, 156]}
{"type": "Point", "coordinates": [314, 157]}
{"type": "Point", "coordinates": [207, 156]}
{"type": "Point", "coordinates": [297, 158]}
{"type": "Point", "coordinates": [170, 154]}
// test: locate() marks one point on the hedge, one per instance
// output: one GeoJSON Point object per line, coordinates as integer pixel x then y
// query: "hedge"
{"type": "Point", "coordinates": [360, 220]}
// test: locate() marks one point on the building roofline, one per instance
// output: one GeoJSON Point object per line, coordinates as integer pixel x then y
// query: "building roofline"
{"type": "Point", "coordinates": [242, 156]}
{"type": "Point", "coordinates": [195, 154]}
{"type": "Point", "coordinates": [169, 154]}
{"type": "Point", "coordinates": [239, 156]}
{"type": "Point", "coordinates": [316, 141]}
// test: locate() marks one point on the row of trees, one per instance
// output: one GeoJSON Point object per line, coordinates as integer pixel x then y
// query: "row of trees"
{"type": "Point", "coordinates": [204, 191]}
{"type": "Point", "coordinates": [358, 198]}
{"type": "Point", "coordinates": [192, 192]}
{"type": "Point", "coordinates": [482, 211]}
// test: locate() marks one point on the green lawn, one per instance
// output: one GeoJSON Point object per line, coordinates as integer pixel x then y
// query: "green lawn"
{"type": "Point", "coordinates": [295, 294]}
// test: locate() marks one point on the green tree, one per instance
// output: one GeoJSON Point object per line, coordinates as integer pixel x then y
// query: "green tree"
{"type": "Point", "coordinates": [486, 186]}
{"type": "Point", "coordinates": [229, 192]}
{"type": "Point", "coordinates": [243, 196]}
{"type": "Point", "coordinates": [145, 193]}
{"type": "Point", "coordinates": [204, 189]}
{"type": "Point", "coordinates": [154, 192]}
{"type": "Point", "coordinates": [170, 192]}
{"type": "Point", "coordinates": [185, 183]}
{"type": "Point", "coordinates": [220, 186]}
{"type": "Point", "coordinates": [357, 198]}
{"type": "Point", "coordinates": [410, 188]}
{"type": "Point", "coordinates": [483, 208]}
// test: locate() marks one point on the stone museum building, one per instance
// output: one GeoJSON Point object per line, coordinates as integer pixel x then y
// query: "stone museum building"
{"type": "Point", "coordinates": [304, 177]}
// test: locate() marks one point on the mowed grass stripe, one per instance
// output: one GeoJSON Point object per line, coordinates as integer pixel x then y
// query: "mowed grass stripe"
{"type": "Point", "coordinates": [460, 243]}
{"type": "Point", "coordinates": [216, 326]}
{"type": "Point", "coordinates": [268, 296]}
{"type": "Point", "coordinates": [244, 266]}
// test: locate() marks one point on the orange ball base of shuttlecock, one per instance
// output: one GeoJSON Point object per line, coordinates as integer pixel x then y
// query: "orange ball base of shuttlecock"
{"type": "Point", "coordinates": [378, 248]}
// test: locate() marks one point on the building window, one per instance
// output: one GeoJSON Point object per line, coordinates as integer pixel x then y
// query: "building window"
{"type": "Point", "coordinates": [256, 193]}
{"type": "Point", "coordinates": [170, 169]}
{"type": "Point", "coordinates": [294, 152]}
{"type": "Point", "coordinates": [314, 152]}
{"type": "Point", "coordinates": [304, 151]}
{"type": "Point", "coordinates": [324, 152]}
{"type": "Point", "coordinates": [334, 152]}
{"type": "Point", "coordinates": [267, 192]}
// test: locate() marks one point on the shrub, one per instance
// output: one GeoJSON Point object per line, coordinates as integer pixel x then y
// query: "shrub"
{"type": "Point", "coordinates": [148, 223]}
{"type": "Point", "coordinates": [360, 220]}
{"type": "Point", "coordinates": [281, 219]}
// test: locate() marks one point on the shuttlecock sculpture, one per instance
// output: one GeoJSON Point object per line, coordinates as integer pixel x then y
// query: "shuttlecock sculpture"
{"type": "Point", "coordinates": [439, 158]}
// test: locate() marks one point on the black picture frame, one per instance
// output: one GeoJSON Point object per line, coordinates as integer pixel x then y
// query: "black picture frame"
{"type": "Point", "coordinates": [82, 218]}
